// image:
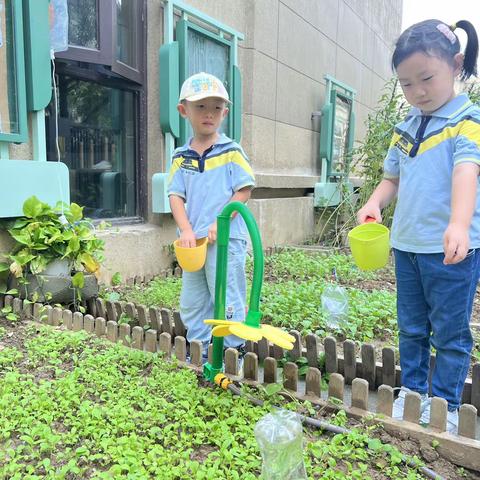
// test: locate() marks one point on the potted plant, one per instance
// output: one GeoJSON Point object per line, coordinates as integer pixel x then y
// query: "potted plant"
{"type": "Point", "coordinates": [56, 253]}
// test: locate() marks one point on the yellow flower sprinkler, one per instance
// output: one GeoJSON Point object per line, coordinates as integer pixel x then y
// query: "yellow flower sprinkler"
{"type": "Point", "coordinates": [250, 329]}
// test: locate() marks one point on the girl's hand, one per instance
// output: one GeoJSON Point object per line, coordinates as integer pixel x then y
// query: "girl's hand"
{"type": "Point", "coordinates": [187, 238]}
{"type": "Point", "coordinates": [369, 210]}
{"type": "Point", "coordinates": [212, 232]}
{"type": "Point", "coordinates": [455, 243]}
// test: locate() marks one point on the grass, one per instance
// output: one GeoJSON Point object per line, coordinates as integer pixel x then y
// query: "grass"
{"type": "Point", "coordinates": [77, 407]}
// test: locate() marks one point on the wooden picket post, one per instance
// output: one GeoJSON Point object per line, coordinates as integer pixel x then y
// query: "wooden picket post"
{"type": "Point", "coordinates": [112, 331]}
{"type": "Point", "coordinates": [181, 348]}
{"type": "Point", "coordinates": [331, 359]}
{"type": "Point", "coordinates": [360, 393]}
{"type": "Point", "coordinates": [137, 337]}
{"type": "Point", "coordinates": [336, 386]}
{"type": "Point", "coordinates": [385, 400]}
{"type": "Point", "coordinates": [231, 361]}
{"type": "Point", "coordinates": [313, 382]}
{"type": "Point", "coordinates": [77, 322]}
{"type": "Point", "coordinates": [151, 341]}
{"type": "Point", "coordinates": [250, 366]}
{"type": "Point", "coordinates": [165, 344]}
{"type": "Point", "coordinates": [270, 370]}
{"type": "Point", "coordinates": [89, 323]}
{"type": "Point", "coordinates": [196, 351]}
{"type": "Point", "coordinates": [100, 326]}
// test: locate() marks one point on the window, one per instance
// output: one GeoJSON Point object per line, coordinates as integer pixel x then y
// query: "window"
{"type": "Point", "coordinates": [100, 98]}
{"type": "Point", "coordinates": [201, 43]}
{"type": "Point", "coordinates": [211, 56]}
{"type": "Point", "coordinates": [341, 147]}
{"type": "Point", "coordinates": [13, 115]}
{"type": "Point", "coordinates": [83, 24]}
{"type": "Point", "coordinates": [97, 141]}
{"type": "Point", "coordinates": [107, 32]}
{"type": "Point", "coordinates": [203, 50]}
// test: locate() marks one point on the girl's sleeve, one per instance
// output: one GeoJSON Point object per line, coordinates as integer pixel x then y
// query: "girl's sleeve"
{"type": "Point", "coordinates": [176, 183]}
{"type": "Point", "coordinates": [391, 164]}
{"type": "Point", "coordinates": [241, 171]}
{"type": "Point", "coordinates": [467, 142]}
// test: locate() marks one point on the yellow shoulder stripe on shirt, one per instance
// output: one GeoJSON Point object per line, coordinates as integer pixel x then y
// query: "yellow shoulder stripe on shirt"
{"type": "Point", "coordinates": [465, 128]}
{"type": "Point", "coordinates": [229, 157]}
{"type": "Point", "coordinates": [174, 167]}
{"type": "Point", "coordinates": [395, 139]}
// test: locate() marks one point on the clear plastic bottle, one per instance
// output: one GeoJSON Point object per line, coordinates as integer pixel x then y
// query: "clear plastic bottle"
{"type": "Point", "coordinates": [335, 306]}
{"type": "Point", "coordinates": [280, 437]}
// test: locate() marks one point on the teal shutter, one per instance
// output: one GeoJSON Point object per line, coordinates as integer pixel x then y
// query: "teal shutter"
{"type": "Point", "coordinates": [168, 61]}
{"type": "Point", "coordinates": [237, 99]}
{"type": "Point", "coordinates": [37, 54]}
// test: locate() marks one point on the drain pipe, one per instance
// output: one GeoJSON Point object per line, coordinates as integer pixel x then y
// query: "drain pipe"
{"type": "Point", "coordinates": [224, 382]}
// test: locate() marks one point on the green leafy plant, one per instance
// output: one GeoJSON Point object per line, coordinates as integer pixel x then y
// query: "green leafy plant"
{"type": "Point", "coordinates": [74, 406]}
{"type": "Point", "coordinates": [46, 234]}
{"type": "Point", "coordinates": [8, 313]}
{"type": "Point", "coordinates": [116, 279]}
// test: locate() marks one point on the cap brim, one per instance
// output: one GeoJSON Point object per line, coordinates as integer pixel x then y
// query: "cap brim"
{"type": "Point", "coordinates": [201, 96]}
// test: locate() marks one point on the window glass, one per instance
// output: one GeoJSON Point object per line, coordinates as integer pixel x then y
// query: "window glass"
{"type": "Point", "coordinates": [97, 140]}
{"type": "Point", "coordinates": [8, 71]}
{"type": "Point", "coordinates": [340, 133]}
{"type": "Point", "coordinates": [207, 55]}
{"type": "Point", "coordinates": [83, 23]}
{"type": "Point", "coordinates": [127, 12]}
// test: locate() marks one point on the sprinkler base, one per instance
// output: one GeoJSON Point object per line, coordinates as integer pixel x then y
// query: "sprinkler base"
{"type": "Point", "coordinates": [209, 373]}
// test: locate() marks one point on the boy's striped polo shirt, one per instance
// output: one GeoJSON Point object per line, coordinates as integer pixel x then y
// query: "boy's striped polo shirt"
{"type": "Point", "coordinates": [423, 153]}
{"type": "Point", "coordinates": [208, 182]}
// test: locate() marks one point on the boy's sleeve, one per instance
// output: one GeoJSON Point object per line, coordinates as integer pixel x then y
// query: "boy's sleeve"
{"type": "Point", "coordinates": [467, 143]}
{"type": "Point", "coordinates": [176, 184]}
{"type": "Point", "coordinates": [391, 164]}
{"type": "Point", "coordinates": [241, 171]}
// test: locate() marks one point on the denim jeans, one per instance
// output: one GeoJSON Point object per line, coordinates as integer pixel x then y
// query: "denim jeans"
{"type": "Point", "coordinates": [197, 299]}
{"type": "Point", "coordinates": [434, 304]}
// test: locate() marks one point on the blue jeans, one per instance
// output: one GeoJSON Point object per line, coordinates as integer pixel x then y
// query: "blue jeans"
{"type": "Point", "coordinates": [197, 299]}
{"type": "Point", "coordinates": [434, 303]}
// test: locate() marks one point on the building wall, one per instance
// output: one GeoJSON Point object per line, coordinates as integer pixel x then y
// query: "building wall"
{"type": "Point", "coordinates": [289, 46]}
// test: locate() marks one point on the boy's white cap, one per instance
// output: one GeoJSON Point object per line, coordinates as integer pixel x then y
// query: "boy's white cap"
{"type": "Point", "coordinates": [203, 85]}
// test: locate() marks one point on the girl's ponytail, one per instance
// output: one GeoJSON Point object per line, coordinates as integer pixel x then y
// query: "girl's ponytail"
{"type": "Point", "coordinates": [471, 50]}
{"type": "Point", "coordinates": [433, 37]}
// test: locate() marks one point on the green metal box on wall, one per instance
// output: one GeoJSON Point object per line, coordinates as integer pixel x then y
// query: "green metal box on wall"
{"type": "Point", "coordinates": [25, 64]}
{"type": "Point", "coordinates": [336, 144]}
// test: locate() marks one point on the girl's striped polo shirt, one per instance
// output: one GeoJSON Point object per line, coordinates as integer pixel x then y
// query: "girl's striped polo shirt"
{"type": "Point", "coordinates": [423, 153]}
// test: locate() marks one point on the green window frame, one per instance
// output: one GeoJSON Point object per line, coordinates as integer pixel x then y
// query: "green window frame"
{"type": "Point", "coordinates": [182, 30]}
{"type": "Point", "coordinates": [173, 67]}
{"type": "Point", "coordinates": [21, 135]}
{"type": "Point", "coordinates": [20, 179]}
{"type": "Point", "coordinates": [337, 94]}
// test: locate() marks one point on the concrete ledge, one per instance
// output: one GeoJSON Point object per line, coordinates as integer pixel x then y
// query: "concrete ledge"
{"type": "Point", "coordinates": [137, 250]}
{"type": "Point", "coordinates": [272, 180]}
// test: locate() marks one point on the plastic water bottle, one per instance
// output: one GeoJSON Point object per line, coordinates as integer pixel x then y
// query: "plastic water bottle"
{"type": "Point", "coordinates": [280, 438]}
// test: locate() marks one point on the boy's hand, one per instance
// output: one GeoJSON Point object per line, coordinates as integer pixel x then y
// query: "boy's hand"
{"type": "Point", "coordinates": [455, 243]}
{"type": "Point", "coordinates": [187, 238]}
{"type": "Point", "coordinates": [212, 232]}
{"type": "Point", "coordinates": [369, 210]}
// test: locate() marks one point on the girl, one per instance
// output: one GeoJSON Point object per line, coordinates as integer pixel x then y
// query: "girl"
{"type": "Point", "coordinates": [432, 168]}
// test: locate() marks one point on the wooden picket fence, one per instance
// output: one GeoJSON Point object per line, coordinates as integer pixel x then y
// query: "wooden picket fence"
{"type": "Point", "coordinates": [161, 330]}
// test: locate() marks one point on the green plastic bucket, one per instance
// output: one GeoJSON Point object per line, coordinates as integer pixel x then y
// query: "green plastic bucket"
{"type": "Point", "coordinates": [370, 245]}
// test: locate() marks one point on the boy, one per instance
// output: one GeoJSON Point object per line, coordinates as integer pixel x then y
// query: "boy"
{"type": "Point", "coordinates": [208, 172]}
